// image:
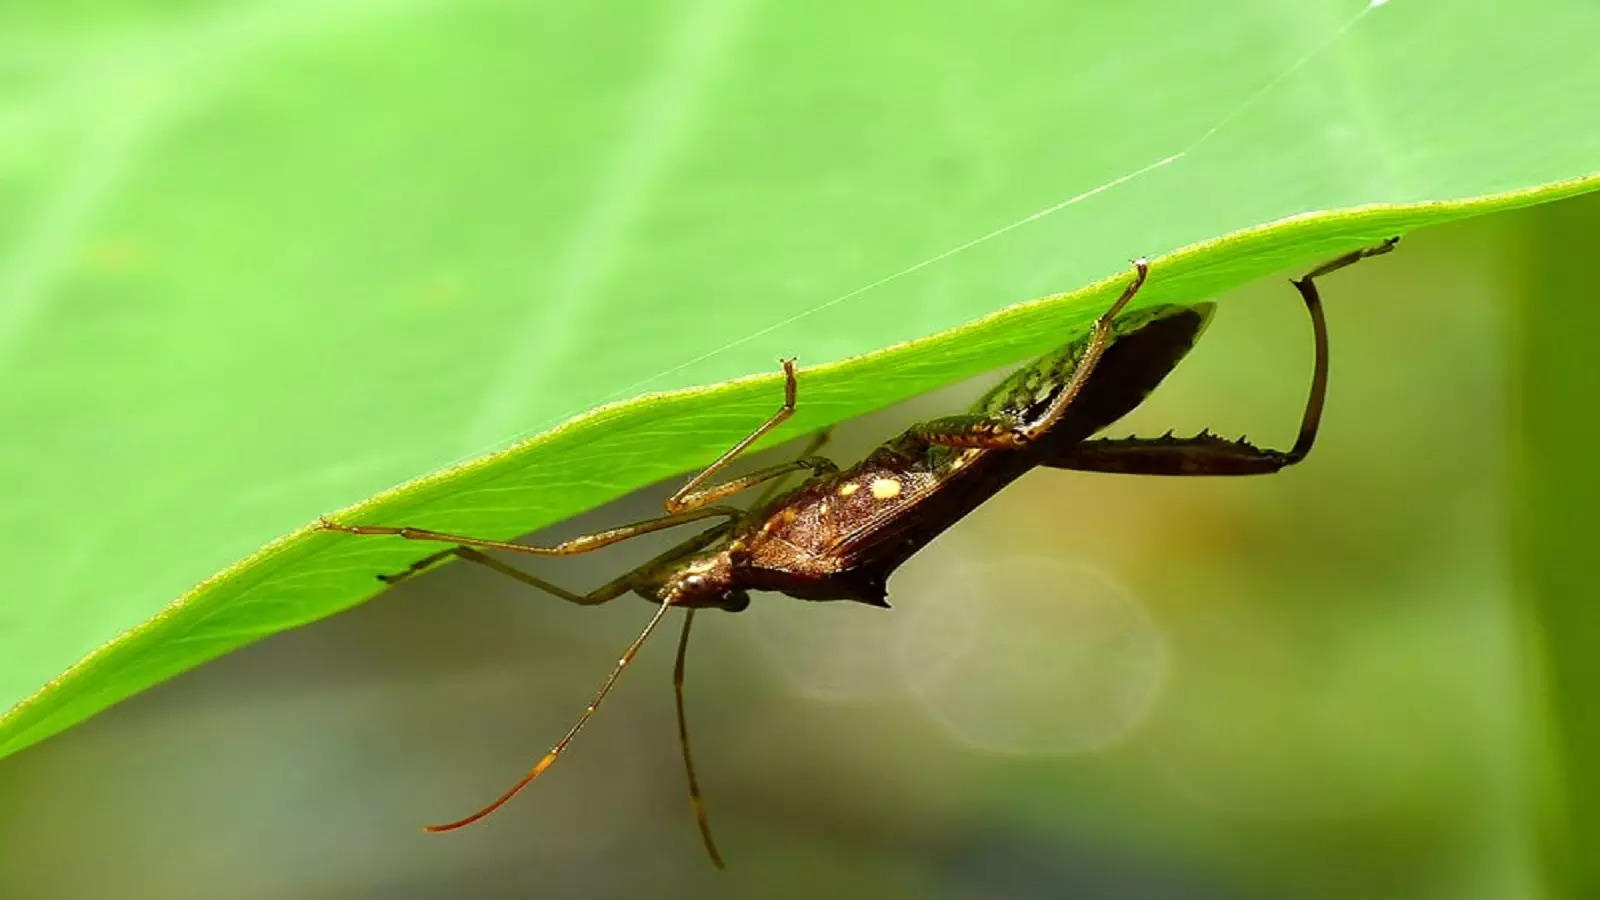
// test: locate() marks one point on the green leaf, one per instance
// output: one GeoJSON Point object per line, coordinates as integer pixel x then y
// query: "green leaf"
{"type": "Point", "coordinates": [260, 263]}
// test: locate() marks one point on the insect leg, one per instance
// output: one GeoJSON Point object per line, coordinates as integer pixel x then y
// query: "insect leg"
{"type": "Point", "coordinates": [597, 596]}
{"type": "Point", "coordinates": [1099, 340]}
{"type": "Point", "coordinates": [1006, 432]}
{"type": "Point", "coordinates": [1208, 454]}
{"type": "Point", "coordinates": [549, 758]}
{"type": "Point", "coordinates": [612, 589]}
{"type": "Point", "coordinates": [1351, 258]}
{"type": "Point", "coordinates": [582, 544]}
{"type": "Point", "coordinates": [687, 495]}
{"type": "Point", "coordinates": [421, 565]}
{"type": "Point", "coordinates": [1203, 454]}
{"type": "Point", "coordinates": [968, 432]}
{"type": "Point", "coordinates": [817, 464]}
{"type": "Point", "coordinates": [696, 800]}
{"type": "Point", "coordinates": [772, 476]}
{"type": "Point", "coordinates": [817, 442]}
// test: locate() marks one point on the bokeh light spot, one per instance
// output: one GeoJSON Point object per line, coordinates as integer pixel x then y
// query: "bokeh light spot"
{"type": "Point", "coordinates": [1029, 654]}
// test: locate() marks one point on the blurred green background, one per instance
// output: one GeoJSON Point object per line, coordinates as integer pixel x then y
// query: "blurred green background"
{"type": "Point", "coordinates": [1305, 685]}
{"type": "Point", "coordinates": [259, 261]}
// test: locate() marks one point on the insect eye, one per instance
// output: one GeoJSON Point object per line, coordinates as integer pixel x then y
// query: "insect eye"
{"type": "Point", "coordinates": [694, 582]}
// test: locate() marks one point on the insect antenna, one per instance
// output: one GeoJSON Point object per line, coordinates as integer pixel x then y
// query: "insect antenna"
{"type": "Point", "coordinates": [549, 758]}
{"type": "Point", "coordinates": [695, 797]}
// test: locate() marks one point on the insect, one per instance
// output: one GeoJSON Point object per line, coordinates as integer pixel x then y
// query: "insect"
{"type": "Point", "coordinates": [842, 532]}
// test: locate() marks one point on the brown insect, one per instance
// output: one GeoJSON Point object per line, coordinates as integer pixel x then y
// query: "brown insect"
{"type": "Point", "coordinates": [840, 534]}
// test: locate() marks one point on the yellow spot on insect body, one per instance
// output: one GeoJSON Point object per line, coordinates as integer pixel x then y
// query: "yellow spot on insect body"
{"type": "Point", "coordinates": [962, 458]}
{"type": "Point", "coordinates": [885, 488]}
{"type": "Point", "coordinates": [849, 488]}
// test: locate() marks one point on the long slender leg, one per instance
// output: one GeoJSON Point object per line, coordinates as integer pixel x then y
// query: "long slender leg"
{"type": "Point", "coordinates": [1098, 341]}
{"type": "Point", "coordinates": [1351, 258]}
{"type": "Point", "coordinates": [421, 565]}
{"type": "Point", "coordinates": [773, 476]}
{"type": "Point", "coordinates": [549, 758]}
{"type": "Point", "coordinates": [1203, 454]}
{"type": "Point", "coordinates": [813, 446]}
{"type": "Point", "coordinates": [817, 442]}
{"type": "Point", "coordinates": [965, 431]}
{"type": "Point", "coordinates": [686, 495]}
{"type": "Point", "coordinates": [776, 474]}
{"type": "Point", "coordinates": [1000, 432]}
{"type": "Point", "coordinates": [1307, 286]}
{"type": "Point", "coordinates": [1207, 454]}
{"type": "Point", "coordinates": [582, 544]}
{"type": "Point", "coordinates": [817, 464]}
{"type": "Point", "coordinates": [696, 800]}
{"type": "Point", "coordinates": [597, 596]}
{"type": "Point", "coordinates": [612, 589]}
{"type": "Point", "coordinates": [687, 505]}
